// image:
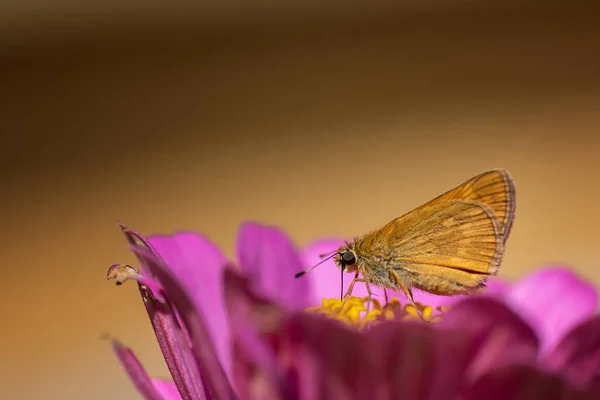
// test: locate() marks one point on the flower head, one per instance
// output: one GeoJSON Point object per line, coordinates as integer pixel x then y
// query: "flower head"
{"type": "Point", "coordinates": [231, 331]}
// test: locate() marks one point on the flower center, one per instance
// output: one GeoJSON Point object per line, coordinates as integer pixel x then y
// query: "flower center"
{"type": "Point", "coordinates": [355, 312]}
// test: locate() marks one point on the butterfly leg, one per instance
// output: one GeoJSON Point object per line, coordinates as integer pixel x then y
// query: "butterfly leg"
{"type": "Point", "coordinates": [349, 291]}
{"type": "Point", "coordinates": [407, 290]}
{"type": "Point", "coordinates": [410, 297]}
{"type": "Point", "coordinates": [386, 297]}
{"type": "Point", "coordinates": [370, 295]}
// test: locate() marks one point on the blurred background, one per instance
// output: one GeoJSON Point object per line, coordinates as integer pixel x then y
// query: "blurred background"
{"type": "Point", "coordinates": [325, 118]}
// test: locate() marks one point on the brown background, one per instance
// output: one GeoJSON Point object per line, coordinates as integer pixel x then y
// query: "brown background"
{"type": "Point", "coordinates": [325, 121]}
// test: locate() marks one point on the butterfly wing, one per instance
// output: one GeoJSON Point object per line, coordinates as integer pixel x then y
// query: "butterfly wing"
{"type": "Point", "coordinates": [445, 247]}
{"type": "Point", "coordinates": [495, 189]}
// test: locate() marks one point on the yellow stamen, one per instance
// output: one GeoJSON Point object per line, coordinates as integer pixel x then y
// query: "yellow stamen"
{"type": "Point", "coordinates": [412, 311]}
{"type": "Point", "coordinates": [427, 313]}
{"type": "Point", "coordinates": [354, 313]}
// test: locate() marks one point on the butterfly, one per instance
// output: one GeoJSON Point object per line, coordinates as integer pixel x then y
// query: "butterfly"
{"type": "Point", "coordinates": [448, 246]}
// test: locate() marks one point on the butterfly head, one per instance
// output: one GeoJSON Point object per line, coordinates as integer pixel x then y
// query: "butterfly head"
{"type": "Point", "coordinates": [346, 259]}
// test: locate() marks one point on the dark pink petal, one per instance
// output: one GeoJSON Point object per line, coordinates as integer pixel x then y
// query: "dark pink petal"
{"type": "Point", "coordinates": [208, 362]}
{"type": "Point", "coordinates": [520, 382]}
{"type": "Point", "coordinates": [594, 386]}
{"type": "Point", "coordinates": [246, 308]}
{"type": "Point", "coordinates": [305, 356]}
{"type": "Point", "coordinates": [255, 372]}
{"type": "Point", "coordinates": [323, 359]}
{"type": "Point", "coordinates": [169, 334]}
{"type": "Point", "coordinates": [268, 361]}
{"type": "Point", "coordinates": [198, 265]}
{"type": "Point", "coordinates": [417, 362]}
{"type": "Point", "coordinates": [553, 300]}
{"type": "Point", "coordinates": [252, 317]}
{"type": "Point", "coordinates": [175, 348]}
{"type": "Point", "coordinates": [394, 360]}
{"type": "Point", "coordinates": [166, 389]}
{"type": "Point", "coordinates": [268, 257]}
{"type": "Point", "coordinates": [508, 339]}
{"type": "Point", "coordinates": [577, 355]}
{"type": "Point", "coordinates": [136, 372]}
{"type": "Point", "coordinates": [152, 286]}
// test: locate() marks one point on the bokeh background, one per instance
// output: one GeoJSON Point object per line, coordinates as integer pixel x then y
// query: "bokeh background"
{"type": "Point", "coordinates": [325, 118]}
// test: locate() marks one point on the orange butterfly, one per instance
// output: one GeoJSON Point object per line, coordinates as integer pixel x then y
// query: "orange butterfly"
{"type": "Point", "coordinates": [448, 246]}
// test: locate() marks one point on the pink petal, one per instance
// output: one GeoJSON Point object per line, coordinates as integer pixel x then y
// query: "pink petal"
{"type": "Point", "coordinates": [166, 389]}
{"type": "Point", "coordinates": [176, 350]}
{"type": "Point", "coordinates": [203, 349]}
{"type": "Point", "coordinates": [324, 359]}
{"type": "Point", "coordinates": [433, 300]}
{"type": "Point", "coordinates": [255, 370]}
{"type": "Point", "coordinates": [317, 358]}
{"type": "Point", "coordinates": [152, 286]}
{"type": "Point", "coordinates": [508, 339]}
{"type": "Point", "coordinates": [553, 300]}
{"type": "Point", "coordinates": [268, 364]}
{"type": "Point", "coordinates": [577, 355]}
{"type": "Point", "coordinates": [169, 334]}
{"type": "Point", "coordinates": [496, 287]}
{"type": "Point", "coordinates": [197, 264]}
{"type": "Point", "coordinates": [521, 382]}
{"type": "Point", "coordinates": [394, 360]}
{"type": "Point", "coordinates": [136, 372]}
{"type": "Point", "coordinates": [268, 257]}
{"type": "Point", "coordinates": [417, 362]}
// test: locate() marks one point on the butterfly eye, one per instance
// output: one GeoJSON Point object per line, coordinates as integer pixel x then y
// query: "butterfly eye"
{"type": "Point", "coordinates": [348, 258]}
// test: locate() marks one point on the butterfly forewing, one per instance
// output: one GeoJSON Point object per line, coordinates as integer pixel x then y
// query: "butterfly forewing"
{"type": "Point", "coordinates": [448, 247]}
{"type": "Point", "coordinates": [493, 188]}
{"type": "Point", "coordinates": [454, 234]}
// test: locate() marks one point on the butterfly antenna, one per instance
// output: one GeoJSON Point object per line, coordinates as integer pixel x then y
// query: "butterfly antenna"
{"type": "Point", "coordinates": [329, 256]}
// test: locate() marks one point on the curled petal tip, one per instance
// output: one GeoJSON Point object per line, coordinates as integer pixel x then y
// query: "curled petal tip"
{"type": "Point", "coordinates": [121, 272]}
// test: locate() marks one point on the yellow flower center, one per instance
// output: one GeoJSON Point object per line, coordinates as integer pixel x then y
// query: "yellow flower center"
{"type": "Point", "coordinates": [355, 311]}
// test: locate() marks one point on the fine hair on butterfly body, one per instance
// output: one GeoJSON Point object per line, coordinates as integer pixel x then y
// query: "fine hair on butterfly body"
{"type": "Point", "coordinates": [448, 246]}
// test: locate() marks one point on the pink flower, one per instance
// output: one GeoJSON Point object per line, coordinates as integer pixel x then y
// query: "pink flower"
{"type": "Point", "coordinates": [480, 350]}
{"type": "Point", "coordinates": [230, 333]}
{"type": "Point", "coordinates": [264, 253]}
